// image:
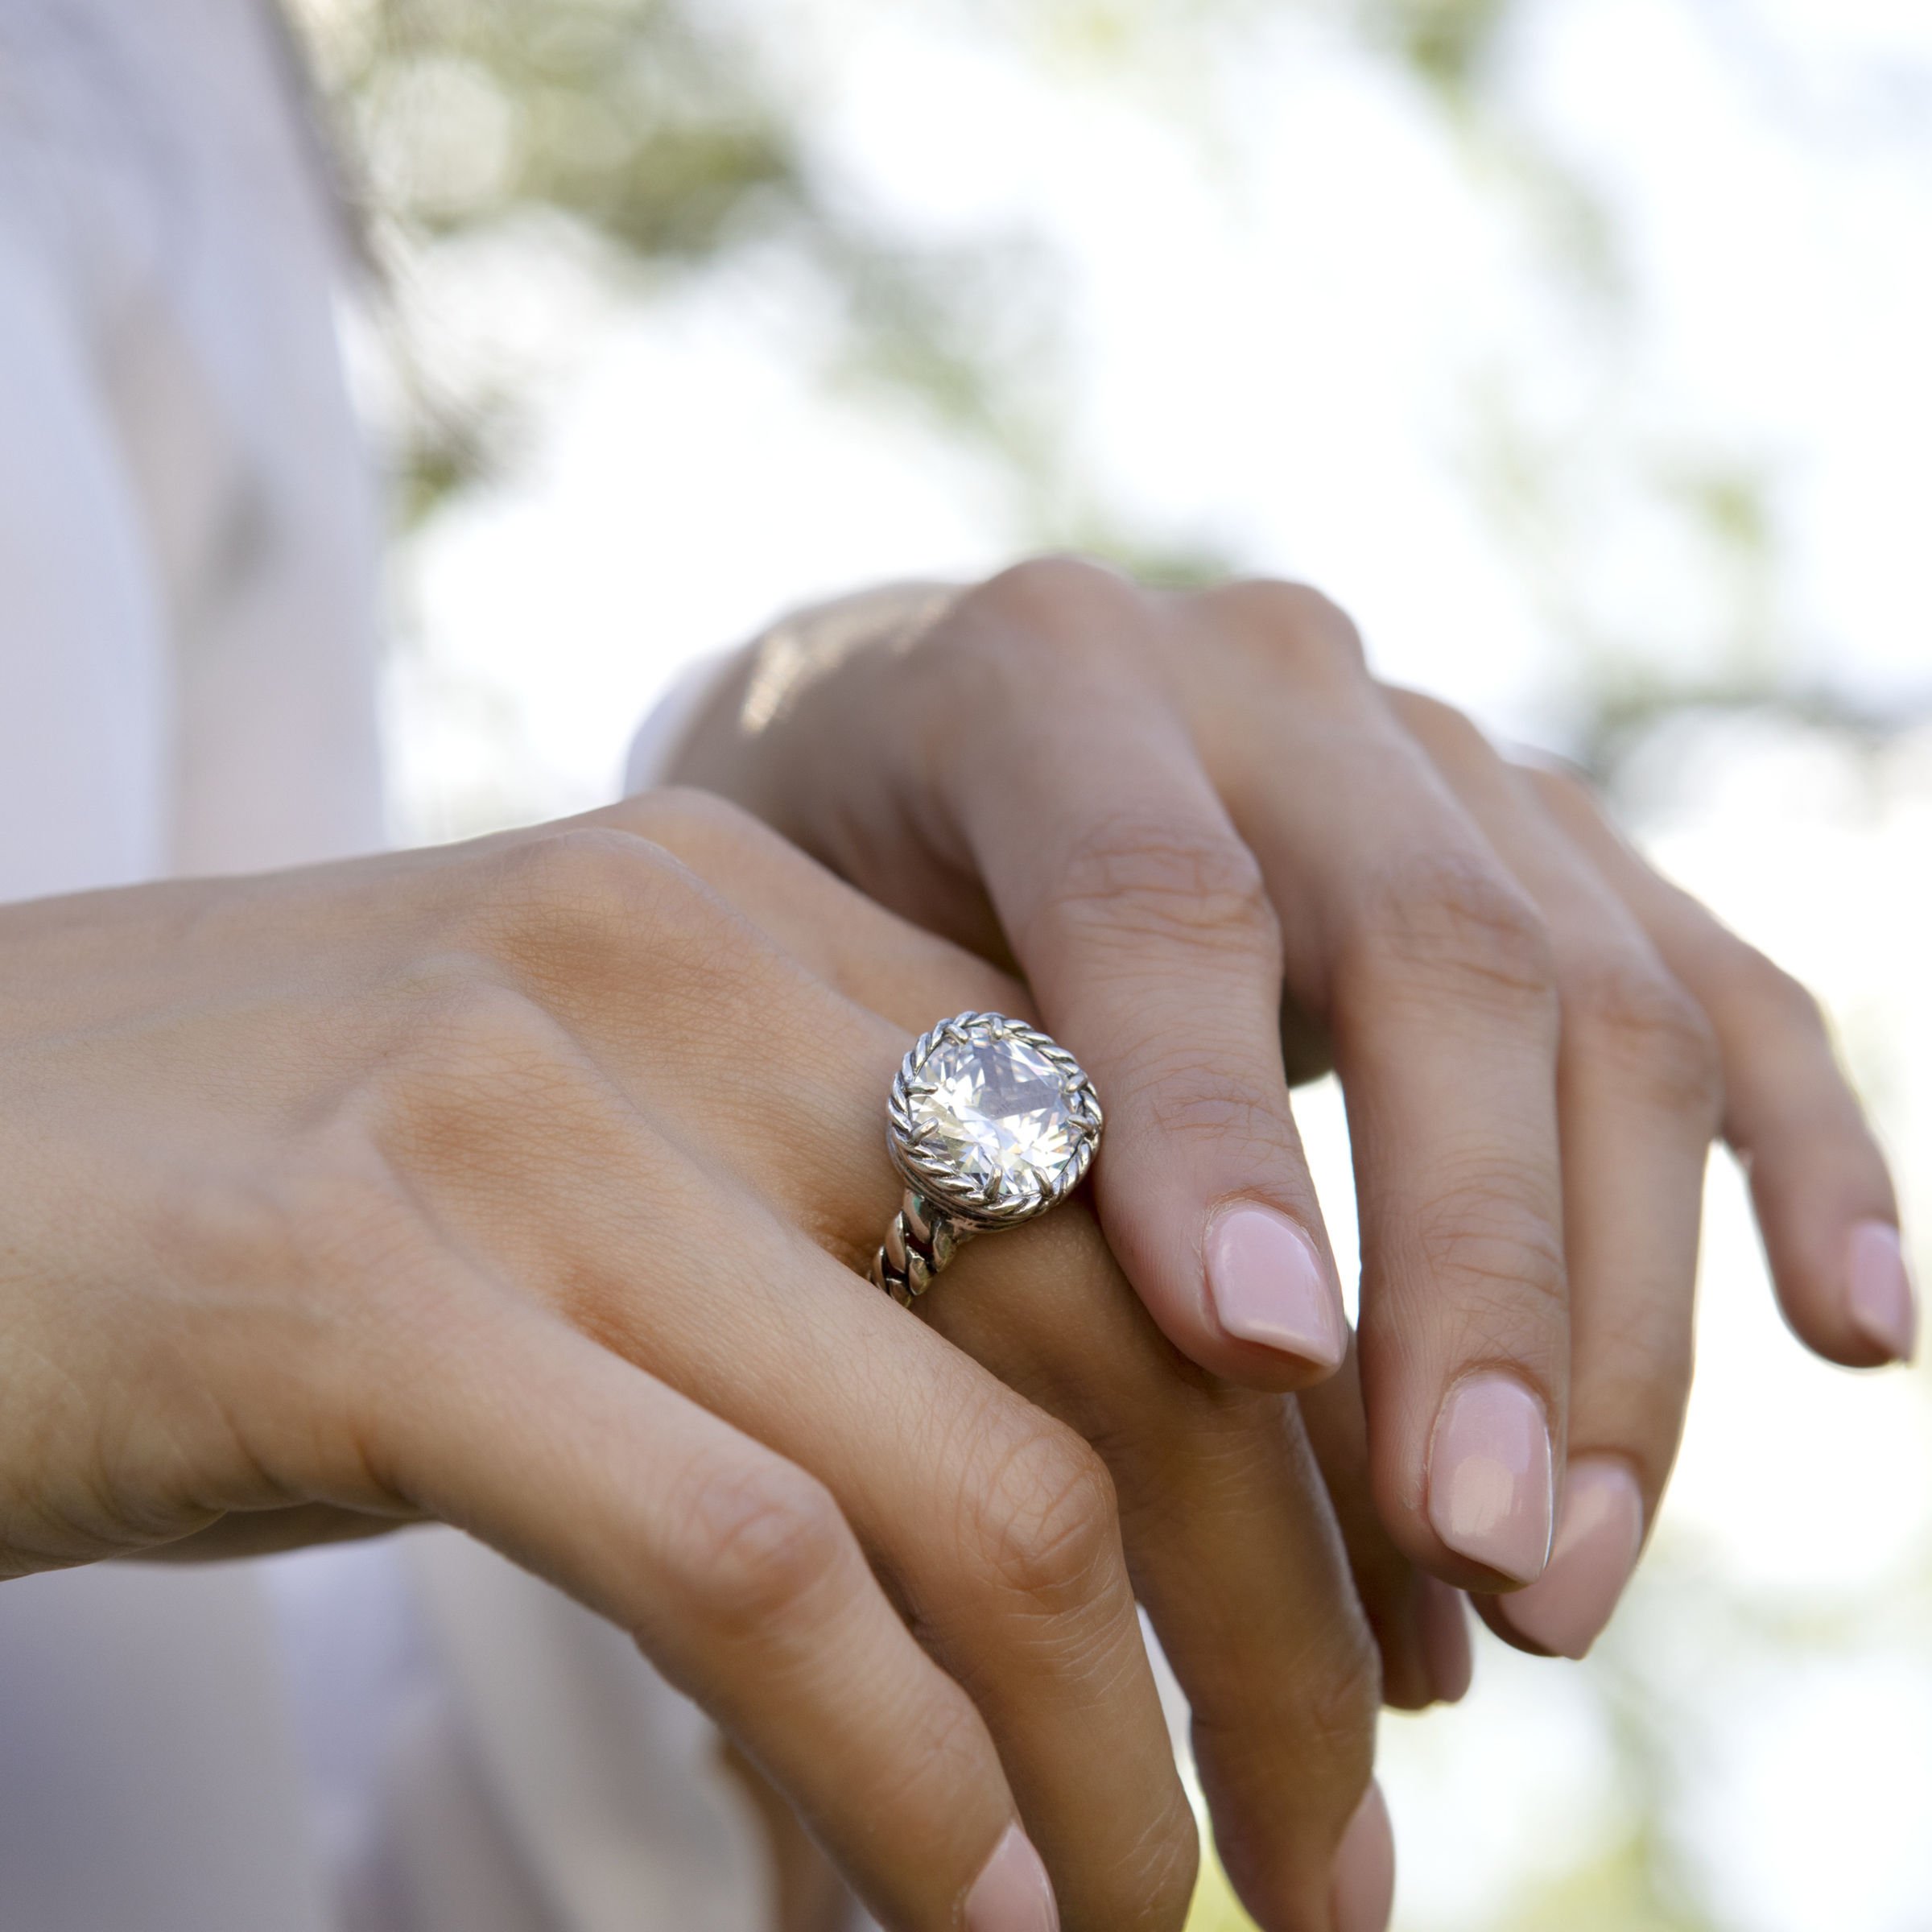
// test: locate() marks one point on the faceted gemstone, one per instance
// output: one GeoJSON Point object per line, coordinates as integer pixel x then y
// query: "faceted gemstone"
{"type": "Point", "coordinates": [997, 1111]}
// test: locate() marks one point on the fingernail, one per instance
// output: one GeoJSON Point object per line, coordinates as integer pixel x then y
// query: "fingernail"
{"type": "Point", "coordinates": [1012, 1892]}
{"type": "Point", "coordinates": [1598, 1537]}
{"type": "Point", "coordinates": [1361, 1894]}
{"type": "Point", "coordinates": [1880, 1300]}
{"type": "Point", "coordinates": [1268, 1285]}
{"type": "Point", "coordinates": [1490, 1493]}
{"type": "Point", "coordinates": [1442, 1623]}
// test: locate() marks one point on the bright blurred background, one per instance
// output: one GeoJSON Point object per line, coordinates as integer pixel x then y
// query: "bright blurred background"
{"type": "Point", "coordinates": [1578, 346]}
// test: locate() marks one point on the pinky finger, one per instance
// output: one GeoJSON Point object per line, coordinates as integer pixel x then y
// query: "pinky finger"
{"type": "Point", "coordinates": [739, 1577]}
{"type": "Point", "coordinates": [1820, 1185]}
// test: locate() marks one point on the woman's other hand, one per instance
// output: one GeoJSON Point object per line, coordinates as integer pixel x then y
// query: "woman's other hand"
{"type": "Point", "coordinates": [1225, 858]}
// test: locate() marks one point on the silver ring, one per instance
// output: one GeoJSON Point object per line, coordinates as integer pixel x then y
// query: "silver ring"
{"type": "Point", "coordinates": [991, 1123]}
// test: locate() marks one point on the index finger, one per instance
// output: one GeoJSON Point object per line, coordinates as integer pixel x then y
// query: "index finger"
{"type": "Point", "coordinates": [1140, 919]}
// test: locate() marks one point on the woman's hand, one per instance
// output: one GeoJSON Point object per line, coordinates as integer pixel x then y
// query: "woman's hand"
{"type": "Point", "coordinates": [1225, 858]}
{"type": "Point", "coordinates": [522, 1185]}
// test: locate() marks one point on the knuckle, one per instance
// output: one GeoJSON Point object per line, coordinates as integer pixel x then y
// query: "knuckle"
{"type": "Point", "coordinates": [1641, 1373]}
{"type": "Point", "coordinates": [1215, 1098]}
{"type": "Point", "coordinates": [574, 865]}
{"type": "Point", "coordinates": [1044, 1519]}
{"type": "Point", "coordinates": [945, 1751]}
{"type": "Point", "coordinates": [1291, 622]}
{"type": "Point", "coordinates": [1045, 609]}
{"type": "Point", "coordinates": [1451, 925]}
{"type": "Point", "coordinates": [1786, 999]}
{"type": "Point", "coordinates": [575, 884]}
{"type": "Point", "coordinates": [1564, 790]}
{"type": "Point", "coordinates": [1450, 735]}
{"type": "Point", "coordinates": [692, 837]}
{"type": "Point", "coordinates": [571, 912]}
{"type": "Point", "coordinates": [1489, 1246]}
{"type": "Point", "coordinates": [486, 1089]}
{"type": "Point", "coordinates": [1157, 1876]}
{"type": "Point", "coordinates": [472, 1023]}
{"type": "Point", "coordinates": [1050, 588]}
{"type": "Point", "coordinates": [1340, 1695]}
{"type": "Point", "coordinates": [1148, 879]}
{"type": "Point", "coordinates": [761, 1543]}
{"type": "Point", "coordinates": [472, 1043]}
{"type": "Point", "coordinates": [682, 818]}
{"type": "Point", "coordinates": [1649, 1029]}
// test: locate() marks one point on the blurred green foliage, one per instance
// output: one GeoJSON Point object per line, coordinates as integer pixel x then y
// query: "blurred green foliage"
{"type": "Point", "coordinates": [673, 139]}
{"type": "Point", "coordinates": [665, 134]}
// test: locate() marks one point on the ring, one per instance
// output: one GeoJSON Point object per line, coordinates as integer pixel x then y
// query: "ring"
{"type": "Point", "coordinates": [991, 1123]}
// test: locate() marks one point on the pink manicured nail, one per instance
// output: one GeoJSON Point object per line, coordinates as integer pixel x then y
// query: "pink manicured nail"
{"type": "Point", "coordinates": [1490, 1488]}
{"type": "Point", "coordinates": [1442, 1622]}
{"type": "Point", "coordinates": [1598, 1538]}
{"type": "Point", "coordinates": [1268, 1284]}
{"type": "Point", "coordinates": [1361, 1893]}
{"type": "Point", "coordinates": [1879, 1297]}
{"type": "Point", "coordinates": [1013, 1894]}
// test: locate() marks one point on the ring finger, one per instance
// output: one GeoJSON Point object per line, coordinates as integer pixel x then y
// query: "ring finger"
{"type": "Point", "coordinates": [1638, 1102]}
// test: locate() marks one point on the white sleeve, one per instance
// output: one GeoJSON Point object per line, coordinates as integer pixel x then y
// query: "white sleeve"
{"type": "Point", "coordinates": [85, 696]}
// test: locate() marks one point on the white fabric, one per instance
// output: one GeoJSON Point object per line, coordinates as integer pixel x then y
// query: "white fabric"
{"type": "Point", "coordinates": [406, 1736]}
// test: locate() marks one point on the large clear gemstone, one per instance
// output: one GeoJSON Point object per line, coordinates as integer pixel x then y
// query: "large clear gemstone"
{"type": "Point", "coordinates": [998, 1113]}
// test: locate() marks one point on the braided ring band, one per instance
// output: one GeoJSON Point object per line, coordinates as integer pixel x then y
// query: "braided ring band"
{"type": "Point", "coordinates": [991, 1123]}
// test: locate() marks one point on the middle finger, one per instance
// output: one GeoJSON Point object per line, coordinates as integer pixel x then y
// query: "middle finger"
{"type": "Point", "coordinates": [1432, 971]}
